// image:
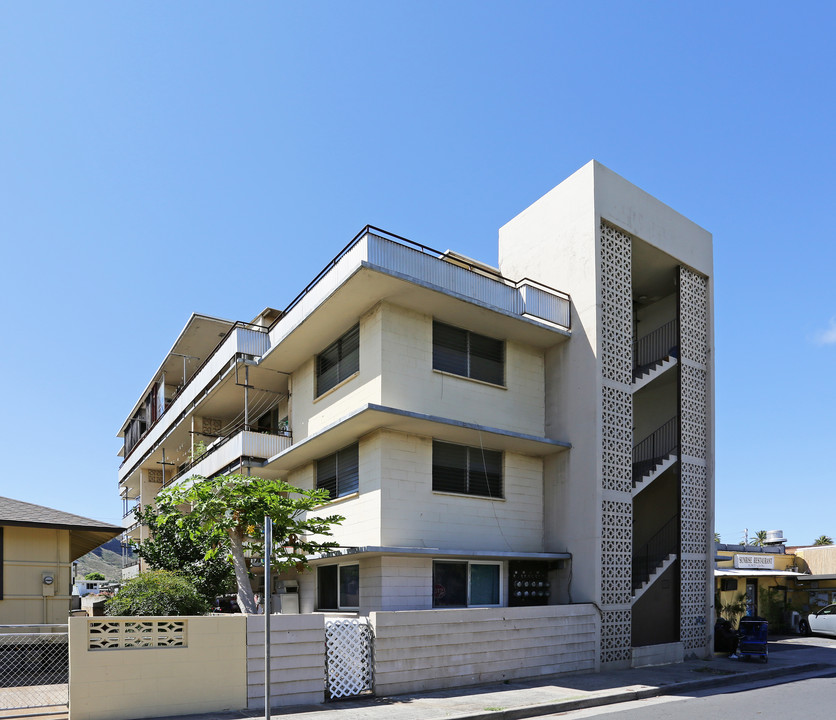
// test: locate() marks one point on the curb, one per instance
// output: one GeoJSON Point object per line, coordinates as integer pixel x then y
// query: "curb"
{"type": "Point", "coordinates": [561, 706]}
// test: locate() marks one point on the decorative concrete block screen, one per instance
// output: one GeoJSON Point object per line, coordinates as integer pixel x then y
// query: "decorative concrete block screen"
{"type": "Point", "coordinates": [124, 668]}
{"type": "Point", "coordinates": [693, 320]}
{"type": "Point", "coordinates": [297, 664]}
{"type": "Point", "coordinates": [432, 649]}
{"type": "Point", "coordinates": [616, 347]}
{"type": "Point", "coordinates": [125, 634]}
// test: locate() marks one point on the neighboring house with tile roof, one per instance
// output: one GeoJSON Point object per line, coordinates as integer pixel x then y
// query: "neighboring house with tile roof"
{"type": "Point", "coordinates": [37, 548]}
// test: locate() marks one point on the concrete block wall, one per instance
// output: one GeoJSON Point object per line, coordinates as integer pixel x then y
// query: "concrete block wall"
{"type": "Point", "coordinates": [435, 649]}
{"type": "Point", "coordinates": [208, 675]}
{"type": "Point", "coordinates": [395, 583]}
{"type": "Point", "coordinates": [413, 515]}
{"type": "Point", "coordinates": [410, 382]}
{"type": "Point", "coordinates": [664, 654]}
{"type": "Point", "coordinates": [297, 667]}
{"type": "Point", "coordinates": [311, 413]}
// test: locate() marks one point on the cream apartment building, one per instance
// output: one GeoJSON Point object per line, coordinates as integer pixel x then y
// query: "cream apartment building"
{"type": "Point", "coordinates": [535, 433]}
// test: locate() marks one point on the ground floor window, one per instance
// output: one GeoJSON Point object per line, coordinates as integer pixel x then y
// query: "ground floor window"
{"type": "Point", "coordinates": [338, 587]}
{"type": "Point", "coordinates": [462, 583]}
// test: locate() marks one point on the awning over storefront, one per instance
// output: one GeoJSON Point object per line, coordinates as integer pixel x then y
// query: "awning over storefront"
{"type": "Point", "coordinates": [733, 572]}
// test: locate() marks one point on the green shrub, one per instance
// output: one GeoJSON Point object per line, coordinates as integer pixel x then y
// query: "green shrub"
{"type": "Point", "coordinates": [94, 576]}
{"type": "Point", "coordinates": [158, 592]}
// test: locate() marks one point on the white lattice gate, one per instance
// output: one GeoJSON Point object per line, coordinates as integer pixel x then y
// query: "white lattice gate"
{"type": "Point", "coordinates": [33, 666]}
{"type": "Point", "coordinates": [348, 658]}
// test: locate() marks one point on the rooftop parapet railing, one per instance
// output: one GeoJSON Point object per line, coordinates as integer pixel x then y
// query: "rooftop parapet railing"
{"type": "Point", "coordinates": [395, 254]}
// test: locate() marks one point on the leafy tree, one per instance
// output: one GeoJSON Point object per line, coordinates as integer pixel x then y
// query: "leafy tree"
{"type": "Point", "coordinates": [717, 537]}
{"type": "Point", "coordinates": [158, 592]}
{"type": "Point", "coordinates": [823, 540]}
{"type": "Point", "coordinates": [94, 576]}
{"type": "Point", "coordinates": [760, 538]}
{"type": "Point", "coordinates": [182, 548]}
{"type": "Point", "coordinates": [230, 511]}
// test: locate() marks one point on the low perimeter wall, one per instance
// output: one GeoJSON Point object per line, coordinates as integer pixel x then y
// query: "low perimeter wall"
{"type": "Point", "coordinates": [435, 649]}
{"type": "Point", "coordinates": [297, 660]}
{"type": "Point", "coordinates": [123, 668]}
{"type": "Point", "coordinates": [134, 667]}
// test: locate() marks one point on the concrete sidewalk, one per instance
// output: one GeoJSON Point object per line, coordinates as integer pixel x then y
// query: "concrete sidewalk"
{"type": "Point", "coordinates": [555, 694]}
{"type": "Point", "coordinates": [562, 693]}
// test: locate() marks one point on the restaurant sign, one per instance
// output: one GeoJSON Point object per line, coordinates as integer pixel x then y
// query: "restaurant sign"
{"type": "Point", "coordinates": [754, 562]}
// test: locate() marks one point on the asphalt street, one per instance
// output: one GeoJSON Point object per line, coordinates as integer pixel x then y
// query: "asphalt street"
{"type": "Point", "coordinates": [795, 697]}
{"type": "Point", "coordinates": [801, 699]}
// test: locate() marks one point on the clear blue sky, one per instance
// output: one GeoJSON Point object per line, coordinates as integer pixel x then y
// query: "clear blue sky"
{"type": "Point", "coordinates": [162, 158]}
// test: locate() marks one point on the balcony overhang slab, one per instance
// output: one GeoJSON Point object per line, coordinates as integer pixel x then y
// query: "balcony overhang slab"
{"type": "Point", "coordinates": [293, 343]}
{"type": "Point", "coordinates": [373, 417]}
{"type": "Point", "coordinates": [369, 551]}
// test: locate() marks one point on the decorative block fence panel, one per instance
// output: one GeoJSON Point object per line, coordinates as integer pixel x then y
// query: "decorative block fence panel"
{"type": "Point", "coordinates": [125, 634]}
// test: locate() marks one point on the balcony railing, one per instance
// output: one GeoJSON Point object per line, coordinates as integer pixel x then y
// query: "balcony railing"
{"type": "Point", "coordinates": [243, 339]}
{"type": "Point", "coordinates": [227, 451]}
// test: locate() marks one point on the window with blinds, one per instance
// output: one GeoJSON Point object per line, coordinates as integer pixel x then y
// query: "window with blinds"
{"type": "Point", "coordinates": [338, 361]}
{"type": "Point", "coordinates": [464, 353]}
{"type": "Point", "coordinates": [467, 470]}
{"type": "Point", "coordinates": [339, 473]}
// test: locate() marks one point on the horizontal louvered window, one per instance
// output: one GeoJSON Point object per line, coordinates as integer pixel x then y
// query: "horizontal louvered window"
{"type": "Point", "coordinates": [464, 353]}
{"type": "Point", "coordinates": [338, 361]}
{"type": "Point", "coordinates": [339, 473]}
{"type": "Point", "coordinates": [467, 470]}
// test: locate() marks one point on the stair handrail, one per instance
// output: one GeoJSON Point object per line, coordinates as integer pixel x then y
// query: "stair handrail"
{"type": "Point", "coordinates": [661, 442]}
{"type": "Point", "coordinates": [650, 555]}
{"type": "Point", "coordinates": [656, 345]}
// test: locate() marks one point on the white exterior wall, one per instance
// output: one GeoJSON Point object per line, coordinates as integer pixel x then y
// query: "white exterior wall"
{"type": "Point", "coordinates": [413, 515]}
{"type": "Point", "coordinates": [361, 510]}
{"type": "Point", "coordinates": [395, 583]}
{"type": "Point", "coordinates": [410, 383]}
{"type": "Point", "coordinates": [310, 414]}
{"type": "Point", "coordinates": [554, 241]}
{"type": "Point", "coordinates": [396, 505]}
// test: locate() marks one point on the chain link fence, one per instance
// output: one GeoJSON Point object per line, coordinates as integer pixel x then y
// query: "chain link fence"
{"type": "Point", "coordinates": [34, 666]}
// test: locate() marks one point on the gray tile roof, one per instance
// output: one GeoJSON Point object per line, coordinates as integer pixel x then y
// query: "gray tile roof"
{"type": "Point", "coordinates": [16, 512]}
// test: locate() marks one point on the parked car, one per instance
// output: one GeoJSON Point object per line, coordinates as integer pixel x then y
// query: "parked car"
{"type": "Point", "coordinates": [822, 621]}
